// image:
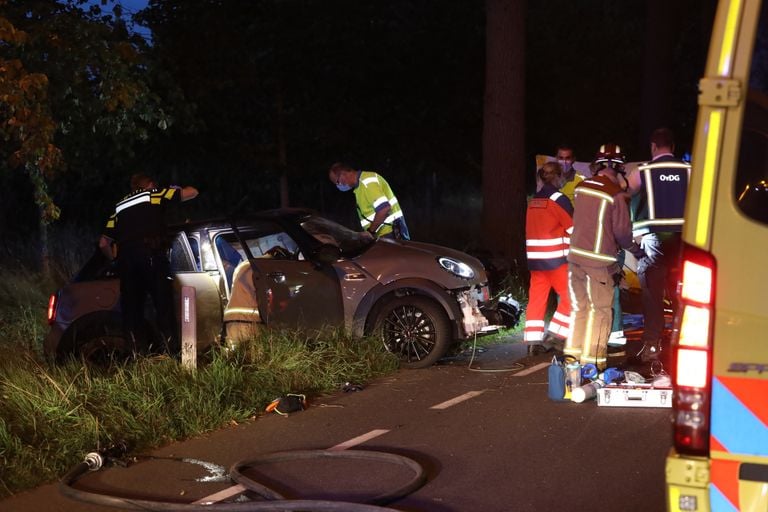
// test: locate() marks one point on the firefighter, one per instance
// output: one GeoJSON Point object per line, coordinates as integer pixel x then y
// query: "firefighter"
{"type": "Point", "coordinates": [377, 207]}
{"type": "Point", "coordinates": [601, 227]}
{"type": "Point", "coordinates": [548, 225]}
{"type": "Point", "coordinates": [658, 188]}
{"type": "Point", "coordinates": [136, 235]}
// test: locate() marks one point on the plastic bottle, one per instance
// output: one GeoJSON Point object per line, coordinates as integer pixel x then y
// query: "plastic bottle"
{"type": "Point", "coordinates": [587, 391]}
{"type": "Point", "coordinates": [572, 378]}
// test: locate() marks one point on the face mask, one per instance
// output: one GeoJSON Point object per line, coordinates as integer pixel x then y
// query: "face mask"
{"type": "Point", "coordinates": [566, 165]}
{"type": "Point", "coordinates": [343, 187]}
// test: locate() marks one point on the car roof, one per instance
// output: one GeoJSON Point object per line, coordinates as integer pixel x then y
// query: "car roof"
{"type": "Point", "coordinates": [290, 214]}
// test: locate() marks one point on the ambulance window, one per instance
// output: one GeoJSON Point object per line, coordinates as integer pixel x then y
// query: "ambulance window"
{"type": "Point", "coordinates": [751, 185]}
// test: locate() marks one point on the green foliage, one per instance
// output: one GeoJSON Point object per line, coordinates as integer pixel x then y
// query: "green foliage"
{"type": "Point", "coordinates": [50, 416]}
{"type": "Point", "coordinates": [78, 93]}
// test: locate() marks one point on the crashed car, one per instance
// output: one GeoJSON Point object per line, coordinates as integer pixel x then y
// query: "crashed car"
{"type": "Point", "coordinates": [291, 268]}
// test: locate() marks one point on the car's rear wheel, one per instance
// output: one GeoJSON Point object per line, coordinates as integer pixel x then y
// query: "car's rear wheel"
{"type": "Point", "coordinates": [101, 344]}
{"type": "Point", "coordinates": [414, 328]}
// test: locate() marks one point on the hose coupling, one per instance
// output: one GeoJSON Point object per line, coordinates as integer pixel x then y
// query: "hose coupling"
{"type": "Point", "coordinates": [94, 460]}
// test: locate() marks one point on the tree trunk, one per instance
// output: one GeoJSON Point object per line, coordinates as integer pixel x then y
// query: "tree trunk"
{"type": "Point", "coordinates": [45, 260]}
{"type": "Point", "coordinates": [661, 37]}
{"type": "Point", "coordinates": [504, 197]}
{"type": "Point", "coordinates": [282, 156]}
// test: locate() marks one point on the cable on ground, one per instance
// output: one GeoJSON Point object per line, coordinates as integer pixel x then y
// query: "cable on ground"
{"type": "Point", "coordinates": [514, 367]}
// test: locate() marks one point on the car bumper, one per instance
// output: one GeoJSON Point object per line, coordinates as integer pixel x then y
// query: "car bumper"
{"type": "Point", "coordinates": [52, 340]}
{"type": "Point", "coordinates": [687, 483]}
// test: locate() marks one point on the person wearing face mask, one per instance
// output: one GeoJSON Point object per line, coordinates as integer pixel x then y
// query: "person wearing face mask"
{"type": "Point", "coordinates": [377, 207]}
{"type": "Point", "coordinates": [571, 178]}
{"type": "Point", "coordinates": [548, 226]}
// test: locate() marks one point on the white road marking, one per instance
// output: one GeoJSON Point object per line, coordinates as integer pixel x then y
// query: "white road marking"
{"type": "Point", "coordinates": [358, 440]}
{"type": "Point", "coordinates": [458, 399]}
{"type": "Point", "coordinates": [531, 370]}
{"type": "Point", "coordinates": [239, 489]}
{"type": "Point", "coordinates": [221, 495]}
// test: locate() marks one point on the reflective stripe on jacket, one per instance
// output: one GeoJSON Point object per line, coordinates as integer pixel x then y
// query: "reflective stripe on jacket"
{"type": "Point", "coordinates": [660, 203]}
{"type": "Point", "coordinates": [373, 193]}
{"type": "Point", "coordinates": [548, 226]}
{"type": "Point", "coordinates": [601, 223]}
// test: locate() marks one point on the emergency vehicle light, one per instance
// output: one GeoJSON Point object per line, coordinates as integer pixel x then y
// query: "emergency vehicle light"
{"type": "Point", "coordinates": [697, 282]}
{"type": "Point", "coordinates": [692, 368]}
{"type": "Point", "coordinates": [692, 348]}
{"type": "Point", "coordinates": [694, 326]}
{"type": "Point", "coordinates": [51, 313]}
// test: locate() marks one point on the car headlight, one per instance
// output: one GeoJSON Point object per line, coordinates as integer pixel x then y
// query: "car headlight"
{"type": "Point", "coordinates": [456, 267]}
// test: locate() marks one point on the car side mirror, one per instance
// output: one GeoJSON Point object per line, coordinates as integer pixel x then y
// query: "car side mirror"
{"type": "Point", "coordinates": [326, 254]}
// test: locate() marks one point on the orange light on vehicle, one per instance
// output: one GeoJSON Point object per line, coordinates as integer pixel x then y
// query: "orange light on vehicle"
{"type": "Point", "coordinates": [692, 368]}
{"type": "Point", "coordinates": [51, 313]}
{"type": "Point", "coordinates": [694, 326]}
{"type": "Point", "coordinates": [697, 283]}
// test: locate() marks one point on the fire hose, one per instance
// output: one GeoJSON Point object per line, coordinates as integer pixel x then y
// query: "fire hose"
{"type": "Point", "coordinates": [275, 501]}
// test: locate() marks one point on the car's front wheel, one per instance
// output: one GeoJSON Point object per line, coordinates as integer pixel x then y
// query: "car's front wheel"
{"type": "Point", "coordinates": [414, 328]}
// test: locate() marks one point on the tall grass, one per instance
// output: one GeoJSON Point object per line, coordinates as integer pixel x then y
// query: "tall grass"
{"type": "Point", "coordinates": [50, 416]}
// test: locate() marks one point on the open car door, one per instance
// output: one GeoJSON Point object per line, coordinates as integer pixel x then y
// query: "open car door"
{"type": "Point", "coordinates": [289, 289]}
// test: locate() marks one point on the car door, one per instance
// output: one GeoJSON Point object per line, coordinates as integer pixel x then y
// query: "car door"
{"type": "Point", "coordinates": [187, 271]}
{"type": "Point", "coordinates": [299, 293]}
{"type": "Point", "coordinates": [291, 290]}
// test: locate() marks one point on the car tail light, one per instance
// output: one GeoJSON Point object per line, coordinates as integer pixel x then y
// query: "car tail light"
{"type": "Point", "coordinates": [52, 303]}
{"type": "Point", "coordinates": [692, 350]}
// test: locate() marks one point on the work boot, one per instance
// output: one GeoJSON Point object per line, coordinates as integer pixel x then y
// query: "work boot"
{"type": "Point", "coordinates": [553, 343]}
{"type": "Point", "coordinates": [649, 352]}
{"type": "Point", "coordinates": [537, 349]}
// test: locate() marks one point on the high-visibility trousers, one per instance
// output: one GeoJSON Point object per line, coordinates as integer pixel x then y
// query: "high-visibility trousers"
{"type": "Point", "coordinates": [542, 281]}
{"type": "Point", "coordinates": [592, 290]}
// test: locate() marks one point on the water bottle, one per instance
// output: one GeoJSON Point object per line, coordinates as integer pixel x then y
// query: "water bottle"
{"type": "Point", "coordinates": [587, 391]}
{"type": "Point", "coordinates": [572, 378]}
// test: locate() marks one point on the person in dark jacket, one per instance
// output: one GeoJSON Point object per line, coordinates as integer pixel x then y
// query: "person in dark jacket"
{"type": "Point", "coordinates": [659, 189]}
{"type": "Point", "coordinates": [136, 236]}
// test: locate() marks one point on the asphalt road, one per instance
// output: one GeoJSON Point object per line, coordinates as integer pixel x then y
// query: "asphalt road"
{"type": "Point", "coordinates": [488, 440]}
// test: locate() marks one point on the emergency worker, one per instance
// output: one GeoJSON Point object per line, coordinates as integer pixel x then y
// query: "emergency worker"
{"type": "Point", "coordinates": [548, 226]}
{"type": "Point", "coordinates": [377, 207]}
{"type": "Point", "coordinates": [565, 158]}
{"type": "Point", "coordinates": [136, 235]}
{"type": "Point", "coordinates": [658, 188]}
{"type": "Point", "coordinates": [601, 226]}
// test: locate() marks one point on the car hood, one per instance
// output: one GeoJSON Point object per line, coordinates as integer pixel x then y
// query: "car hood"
{"type": "Point", "coordinates": [389, 260]}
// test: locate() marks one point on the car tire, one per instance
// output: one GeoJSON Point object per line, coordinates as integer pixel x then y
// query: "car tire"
{"type": "Point", "coordinates": [101, 344]}
{"type": "Point", "coordinates": [414, 328]}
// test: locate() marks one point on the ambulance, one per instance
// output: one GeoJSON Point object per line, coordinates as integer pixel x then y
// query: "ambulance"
{"type": "Point", "coordinates": [719, 461]}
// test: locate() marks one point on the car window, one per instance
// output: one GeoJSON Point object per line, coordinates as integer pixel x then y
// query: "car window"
{"type": "Point", "coordinates": [194, 244]}
{"type": "Point", "coordinates": [751, 182]}
{"type": "Point", "coordinates": [181, 256]}
{"type": "Point", "coordinates": [267, 241]}
{"type": "Point", "coordinates": [230, 254]}
{"type": "Point", "coordinates": [328, 232]}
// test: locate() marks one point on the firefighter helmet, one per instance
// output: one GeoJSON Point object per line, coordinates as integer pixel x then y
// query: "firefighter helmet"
{"type": "Point", "coordinates": [609, 155]}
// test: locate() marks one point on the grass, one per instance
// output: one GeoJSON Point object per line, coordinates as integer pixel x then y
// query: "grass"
{"type": "Point", "coordinates": [50, 416]}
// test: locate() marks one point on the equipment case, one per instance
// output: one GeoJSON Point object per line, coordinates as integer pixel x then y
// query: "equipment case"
{"type": "Point", "coordinates": [634, 395]}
